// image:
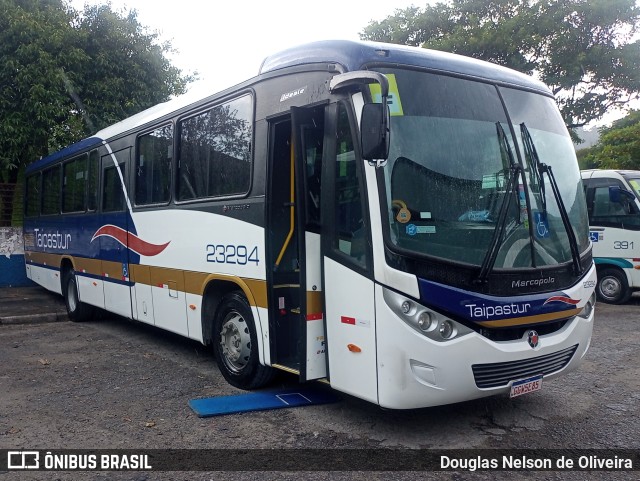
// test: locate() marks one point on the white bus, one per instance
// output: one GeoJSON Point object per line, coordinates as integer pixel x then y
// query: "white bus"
{"type": "Point", "coordinates": [407, 225]}
{"type": "Point", "coordinates": [613, 204]}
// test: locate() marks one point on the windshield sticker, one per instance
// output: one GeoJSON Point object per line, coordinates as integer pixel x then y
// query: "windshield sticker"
{"type": "Point", "coordinates": [413, 229]}
{"type": "Point", "coordinates": [476, 216]}
{"type": "Point", "coordinates": [542, 226]}
{"type": "Point", "coordinates": [524, 212]}
{"type": "Point", "coordinates": [425, 215]}
{"type": "Point", "coordinates": [393, 100]}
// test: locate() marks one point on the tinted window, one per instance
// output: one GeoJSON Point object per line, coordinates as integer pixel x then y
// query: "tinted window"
{"type": "Point", "coordinates": [33, 195]}
{"type": "Point", "coordinates": [215, 151]}
{"type": "Point", "coordinates": [73, 184]}
{"type": "Point", "coordinates": [350, 236]}
{"type": "Point", "coordinates": [112, 195]}
{"type": "Point", "coordinates": [92, 180]}
{"type": "Point", "coordinates": [153, 166]}
{"type": "Point", "coordinates": [51, 191]}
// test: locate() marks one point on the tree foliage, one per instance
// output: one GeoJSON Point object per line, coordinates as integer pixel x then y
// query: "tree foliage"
{"type": "Point", "coordinates": [618, 147]}
{"type": "Point", "coordinates": [583, 49]}
{"type": "Point", "coordinates": [65, 74]}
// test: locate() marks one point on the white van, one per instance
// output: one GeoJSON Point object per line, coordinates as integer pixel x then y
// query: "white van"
{"type": "Point", "coordinates": [613, 203]}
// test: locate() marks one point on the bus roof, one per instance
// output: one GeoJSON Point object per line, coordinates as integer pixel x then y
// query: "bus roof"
{"type": "Point", "coordinates": [352, 55]}
{"type": "Point", "coordinates": [83, 145]}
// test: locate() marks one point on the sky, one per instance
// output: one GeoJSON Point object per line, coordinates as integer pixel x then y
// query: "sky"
{"type": "Point", "coordinates": [225, 41]}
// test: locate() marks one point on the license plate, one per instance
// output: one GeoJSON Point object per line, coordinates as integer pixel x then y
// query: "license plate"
{"type": "Point", "coordinates": [525, 386]}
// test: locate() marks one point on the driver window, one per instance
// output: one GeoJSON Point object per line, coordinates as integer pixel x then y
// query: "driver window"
{"type": "Point", "coordinates": [349, 229]}
{"type": "Point", "coordinates": [607, 213]}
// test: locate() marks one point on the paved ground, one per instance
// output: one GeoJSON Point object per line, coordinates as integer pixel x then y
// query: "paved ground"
{"type": "Point", "coordinates": [112, 383]}
{"type": "Point", "coordinates": [26, 305]}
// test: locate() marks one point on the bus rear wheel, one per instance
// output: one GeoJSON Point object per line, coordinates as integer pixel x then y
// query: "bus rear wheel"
{"type": "Point", "coordinates": [612, 286]}
{"type": "Point", "coordinates": [235, 344]}
{"type": "Point", "coordinates": [77, 310]}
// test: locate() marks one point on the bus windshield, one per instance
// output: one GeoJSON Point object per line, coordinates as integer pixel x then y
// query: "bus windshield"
{"type": "Point", "coordinates": [456, 177]}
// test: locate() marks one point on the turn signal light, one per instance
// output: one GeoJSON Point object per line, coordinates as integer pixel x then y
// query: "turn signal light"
{"type": "Point", "coordinates": [353, 348]}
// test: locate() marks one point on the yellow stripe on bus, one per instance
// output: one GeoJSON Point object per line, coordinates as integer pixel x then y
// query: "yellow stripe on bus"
{"type": "Point", "coordinates": [185, 281]}
{"type": "Point", "coordinates": [519, 321]}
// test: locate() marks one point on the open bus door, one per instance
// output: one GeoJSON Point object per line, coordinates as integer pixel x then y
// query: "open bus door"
{"type": "Point", "coordinates": [347, 262]}
{"type": "Point", "coordinates": [308, 142]}
{"type": "Point", "coordinates": [297, 343]}
{"type": "Point", "coordinates": [322, 314]}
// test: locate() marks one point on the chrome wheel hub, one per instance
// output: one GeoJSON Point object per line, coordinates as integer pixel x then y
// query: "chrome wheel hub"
{"type": "Point", "coordinates": [235, 341]}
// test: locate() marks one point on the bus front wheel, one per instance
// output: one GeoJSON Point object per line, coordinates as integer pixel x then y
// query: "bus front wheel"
{"type": "Point", "coordinates": [612, 287]}
{"type": "Point", "coordinates": [77, 310]}
{"type": "Point", "coordinates": [235, 344]}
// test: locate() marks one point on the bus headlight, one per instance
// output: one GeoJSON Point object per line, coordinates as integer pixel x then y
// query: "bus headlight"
{"type": "Point", "coordinates": [588, 308]}
{"type": "Point", "coordinates": [424, 320]}
{"type": "Point", "coordinates": [446, 329]}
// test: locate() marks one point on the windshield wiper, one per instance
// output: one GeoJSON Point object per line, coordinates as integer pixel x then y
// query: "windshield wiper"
{"type": "Point", "coordinates": [511, 190]}
{"type": "Point", "coordinates": [539, 169]}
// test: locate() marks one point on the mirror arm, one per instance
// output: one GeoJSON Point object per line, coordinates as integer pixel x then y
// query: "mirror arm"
{"type": "Point", "coordinates": [359, 77]}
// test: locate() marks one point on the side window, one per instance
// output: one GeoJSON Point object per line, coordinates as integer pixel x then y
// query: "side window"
{"type": "Point", "coordinates": [51, 191]}
{"type": "Point", "coordinates": [153, 166]}
{"type": "Point", "coordinates": [92, 180]}
{"type": "Point", "coordinates": [73, 184]}
{"type": "Point", "coordinates": [33, 195]}
{"type": "Point", "coordinates": [215, 151]}
{"type": "Point", "coordinates": [602, 205]}
{"type": "Point", "coordinates": [350, 238]}
{"type": "Point", "coordinates": [605, 212]}
{"type": "Point", "coordinates": [112, 195]}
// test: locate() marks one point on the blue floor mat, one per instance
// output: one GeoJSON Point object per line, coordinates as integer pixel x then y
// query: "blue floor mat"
{"type": "Point", "coordinates": [261, 401]}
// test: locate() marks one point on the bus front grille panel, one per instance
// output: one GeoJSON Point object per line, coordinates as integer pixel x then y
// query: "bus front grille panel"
{"type": "Point", "coordinates": [499, 374]}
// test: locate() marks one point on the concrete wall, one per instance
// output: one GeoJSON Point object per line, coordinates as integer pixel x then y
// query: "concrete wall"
{"type": "Point", "coordinates": [12, 271]}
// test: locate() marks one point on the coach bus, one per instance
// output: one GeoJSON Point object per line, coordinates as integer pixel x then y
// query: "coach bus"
{"type": "Point", "coordinates": [613, 205]}
{"type": "Point", "coordinates": [406, 225]}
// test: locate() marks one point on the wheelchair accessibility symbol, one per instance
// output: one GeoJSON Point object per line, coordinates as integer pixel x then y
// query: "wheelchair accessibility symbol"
{"type": "Point", "coordinates": [541, 224]}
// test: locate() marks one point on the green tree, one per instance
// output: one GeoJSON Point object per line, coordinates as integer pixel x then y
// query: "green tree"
{"type": "Point", "coordinates": [618, 147]}
{"type": "Point", "coordinates": [583, 49]}
{"type": "Point", "coordinates": [66, 74]}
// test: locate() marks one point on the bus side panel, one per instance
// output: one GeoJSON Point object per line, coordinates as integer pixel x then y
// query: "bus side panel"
{"type": "Point", "coordinates": [618, 247]}
{"type": "Point", "coordinates": [351, 331]}
{"type": "Point", "coordinates": [141, 294]}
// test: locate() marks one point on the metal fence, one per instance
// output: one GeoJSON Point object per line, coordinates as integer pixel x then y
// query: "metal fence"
{"type": "Point", "coordinates": [11, 205]}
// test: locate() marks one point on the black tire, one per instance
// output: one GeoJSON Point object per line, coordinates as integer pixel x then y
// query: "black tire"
{"type": "Point", "coordinates": [235, 344]}
{"type": "Point", "coordinates": [76, 310]}
{"type": "Point", "coordinates": [612, 286]}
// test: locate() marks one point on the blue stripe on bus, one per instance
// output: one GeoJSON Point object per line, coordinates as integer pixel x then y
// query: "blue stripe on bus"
{"type": "Point", "coordinates": [482, 308]}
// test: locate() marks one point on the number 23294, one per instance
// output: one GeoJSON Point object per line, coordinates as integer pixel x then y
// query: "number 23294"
{"type": "Point", "coordinates": [232, 254]}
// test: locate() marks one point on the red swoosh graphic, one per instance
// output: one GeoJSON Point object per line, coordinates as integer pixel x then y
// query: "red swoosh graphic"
{"type": "Point", "coordinates": [135, 244]}
{"type": "Point", "coordinates": [566, 300]}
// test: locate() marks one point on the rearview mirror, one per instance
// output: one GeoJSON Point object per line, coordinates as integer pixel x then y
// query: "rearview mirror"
{"type": "Point", "coordinates": [620, 196]}
{"type": "Point", "coordinates": [374, 131]}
